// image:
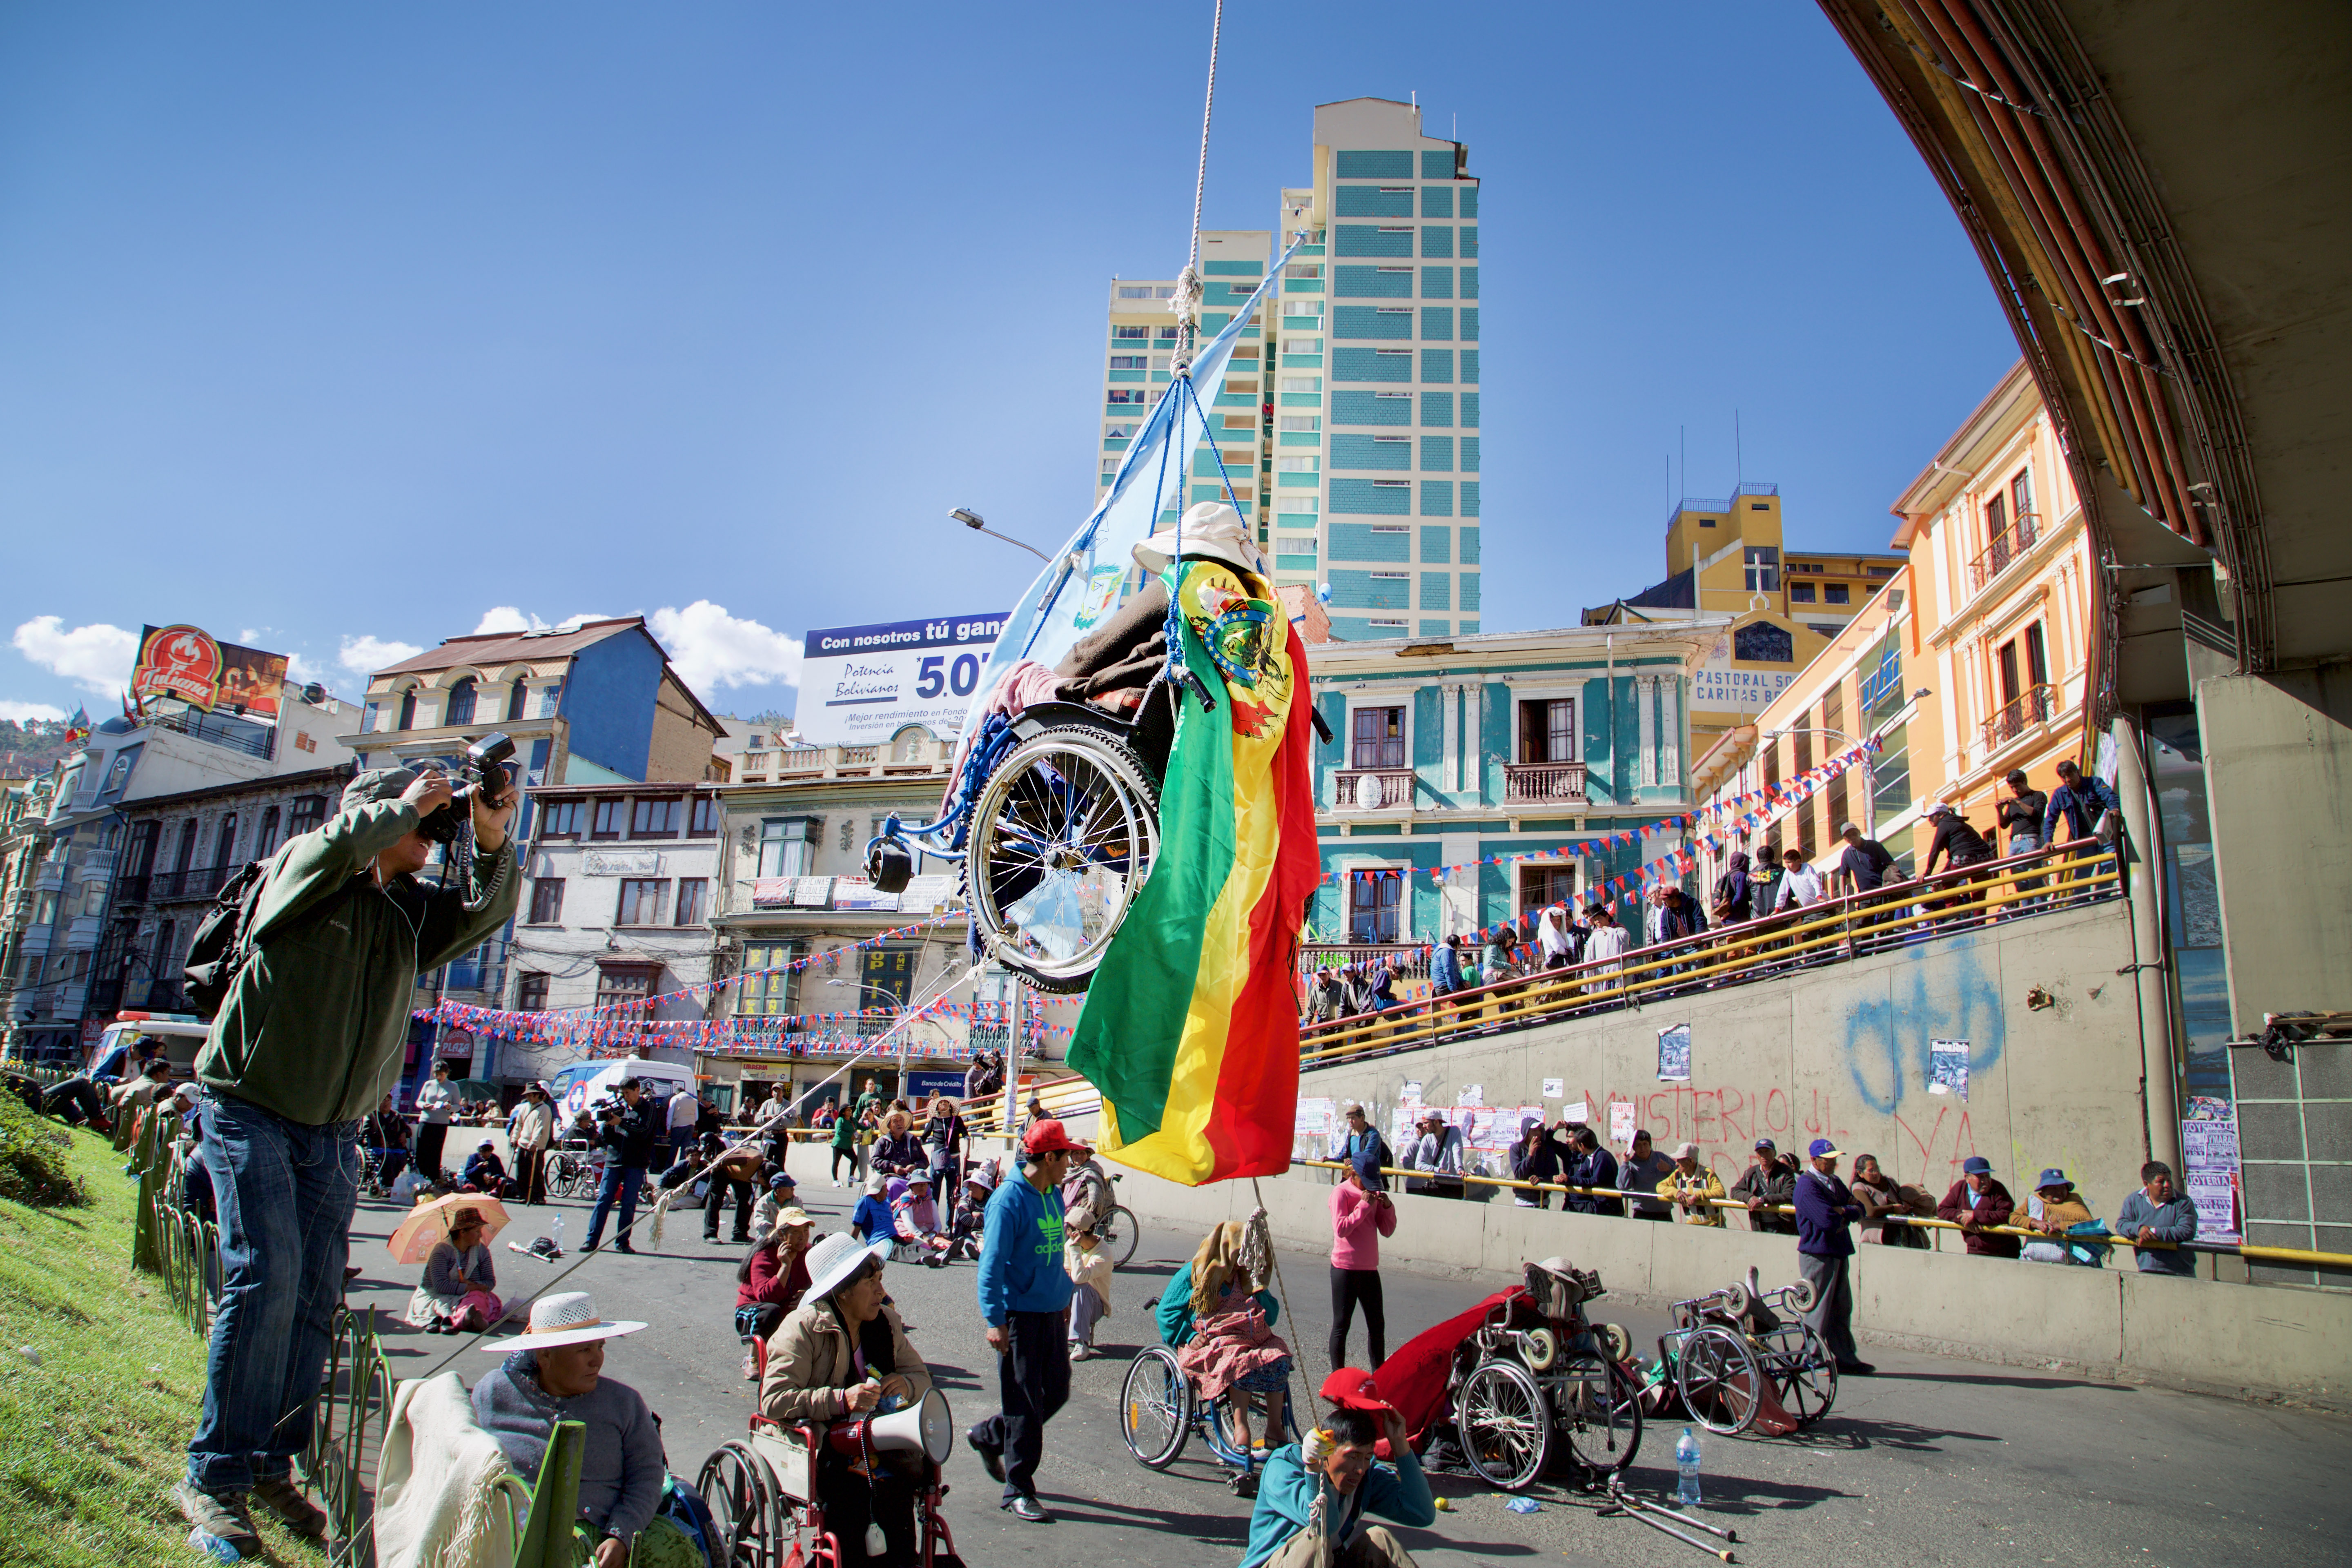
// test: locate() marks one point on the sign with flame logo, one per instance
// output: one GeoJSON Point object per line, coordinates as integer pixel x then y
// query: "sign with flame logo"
{"type": "Point", "coordinates": [185, 662]}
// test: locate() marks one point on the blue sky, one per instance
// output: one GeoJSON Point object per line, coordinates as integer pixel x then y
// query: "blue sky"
{"type": "Point", "coordinates": [340, 329]}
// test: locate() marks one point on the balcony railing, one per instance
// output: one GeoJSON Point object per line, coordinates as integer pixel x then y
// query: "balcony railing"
{"type": "Point", "coordinates": [196, 882]}
{"type": "Point", "coordinates": [1375, 789]}
{"type": "Point", "coordinates": [1543, 783]}
{"type": "Point", "coordinates": [2018, 716]}
{"type": "Point", "coordinates": [2007, 545]}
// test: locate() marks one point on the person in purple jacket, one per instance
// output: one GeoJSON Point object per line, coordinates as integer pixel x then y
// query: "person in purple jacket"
{"type": "Point", "coordinates": [1825, 1211]}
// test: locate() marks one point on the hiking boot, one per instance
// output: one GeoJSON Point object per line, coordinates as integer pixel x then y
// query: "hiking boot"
{"type": "Point", "coordinates": [283, 1500]}
{"type": "Point", "coordinates": [218, 1513]}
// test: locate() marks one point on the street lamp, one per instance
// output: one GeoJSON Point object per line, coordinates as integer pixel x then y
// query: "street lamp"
{"type": "Point", "coordinates": [979, 524]}
{"type": "Point", "coordinates": [897, 1010]}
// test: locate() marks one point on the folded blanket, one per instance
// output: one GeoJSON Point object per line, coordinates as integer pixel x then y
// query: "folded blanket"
{"type": "Point", "coordinates": [446, 1496]}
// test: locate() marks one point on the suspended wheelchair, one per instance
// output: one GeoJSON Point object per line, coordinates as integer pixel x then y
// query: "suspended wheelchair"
{"type": "Point", "coordinates": [1736, 1365]}
{"type": "Point", "coordinates": [761, 1488]}
{"type": "Point", "coordinates": [1538, 1384]}
{"type": "Point", "coordinates": [1160, 1410]}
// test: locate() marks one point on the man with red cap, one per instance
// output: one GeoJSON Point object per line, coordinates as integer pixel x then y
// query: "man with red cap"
{"type": "Point", "coordinates": [1314, 1494]}
{"type": "Point", "coordinates": [1024, 1295]}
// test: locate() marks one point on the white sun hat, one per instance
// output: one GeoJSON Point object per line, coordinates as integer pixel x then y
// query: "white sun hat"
{"type": "Point", "coordinates": [566, 1318]}
{"type": "Point", "coordinates": [1212, 529]}
{"type": "Point", "coordinates": [833, 1260]}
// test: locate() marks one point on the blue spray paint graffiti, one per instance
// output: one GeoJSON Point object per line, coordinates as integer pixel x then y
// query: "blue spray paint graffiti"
{"type": "Point", "coordinates": [1956, 999]}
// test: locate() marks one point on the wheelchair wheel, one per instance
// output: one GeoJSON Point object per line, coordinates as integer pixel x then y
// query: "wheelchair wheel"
{"type": "Point", "coordinates": [753, 1520]}
{"type": "Point", "coordinates": [1506, 1425]}
{"type": "Point", "coordinates": [1063, 834]}
{"type": "Point", "coordinates": [1716, 1375]}
{"type": "Point", "coordinates": [1120, 1233]}
{"type": "Point", "coordinates": [1802, 1372]}
{"type": "Point", "coordinates": [1155, 1408]}
{"type": "Point", "coordinates": [1600, 1410]}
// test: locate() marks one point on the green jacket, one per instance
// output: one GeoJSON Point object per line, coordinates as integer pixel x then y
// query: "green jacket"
{"type": "Point", "coordinates": [316, 1022]}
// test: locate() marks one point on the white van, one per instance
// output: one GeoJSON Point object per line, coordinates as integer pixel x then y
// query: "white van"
{"type": "Point", "coordinates": [183, 1035]}
{"type": "Point", "coordinates": [577, 1085]}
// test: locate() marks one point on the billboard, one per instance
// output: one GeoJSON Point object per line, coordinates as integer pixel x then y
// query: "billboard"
{"type": "Point", "coordinates": [861, 685]}
{"type": "Point", "coordinates": [185, 662]}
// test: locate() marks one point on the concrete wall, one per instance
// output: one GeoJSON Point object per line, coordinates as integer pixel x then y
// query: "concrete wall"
{"type": "Point", "coordinates": [1842, 1053]}
{"type": "Point", "coordinates": [2235, 1338]}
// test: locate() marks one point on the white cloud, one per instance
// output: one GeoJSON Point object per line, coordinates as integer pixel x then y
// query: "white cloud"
{"type": "Point", "coordinates": [97, 658]}
{"type": "Point", "coordinates": [30, 712]}
{"type": "Point", "coordinates": [583, 618]}
{"type": "Point", "coordinates": [302, 672]}
{"type": "Point", "coordinates": [366, 655]}
{"type": "Point", "coordinates": [712, 648]}
{"type": "Point", "coordinates": [506, 618]}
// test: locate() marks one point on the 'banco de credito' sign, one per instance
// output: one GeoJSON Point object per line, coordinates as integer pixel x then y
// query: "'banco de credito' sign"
{"type": "Point", "coordinates": [861, 685]}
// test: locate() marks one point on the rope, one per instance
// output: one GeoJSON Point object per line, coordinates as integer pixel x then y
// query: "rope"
{"type": "Point", "coordinates": [1208, 105]}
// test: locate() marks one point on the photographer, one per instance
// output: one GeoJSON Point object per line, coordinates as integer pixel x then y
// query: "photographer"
{"type": "Point", "coordinates": [628, 1129]}
{"type": "Point", "coordinates": [307, 1041]}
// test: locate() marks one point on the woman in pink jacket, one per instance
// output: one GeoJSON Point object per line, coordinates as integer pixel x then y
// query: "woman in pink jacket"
{"type": "Point", "coordinates": [1361, 1214]}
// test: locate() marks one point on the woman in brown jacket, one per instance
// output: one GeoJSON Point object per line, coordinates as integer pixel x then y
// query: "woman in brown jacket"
{"type": "Point", "coordinates": [844, 1353]}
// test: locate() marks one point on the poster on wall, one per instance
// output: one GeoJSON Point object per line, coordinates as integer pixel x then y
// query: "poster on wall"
{"type": "Point", "coordinates": [1620, 1122]}
{"type": "Point", "coordinates": [1948, 1067]}
{"type": "Point", "coordinates": [1553, 1088]}
{"type": "Point", "coordinates": [1673, 1054]}
{"type": "Point", "coordinates": [861, 685]}
{"type": "Point", "coordinates": [2209, 1155]}
{"type": "Point", "coordinates": [1313, 1132]}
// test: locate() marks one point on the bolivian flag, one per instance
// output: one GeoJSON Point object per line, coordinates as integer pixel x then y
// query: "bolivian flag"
{"type": "Point", "coordinates": [1191, 1024]}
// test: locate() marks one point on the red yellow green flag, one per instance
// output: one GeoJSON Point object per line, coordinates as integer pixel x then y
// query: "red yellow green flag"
{"type": "Point", "coordinates": [1191, 1024]}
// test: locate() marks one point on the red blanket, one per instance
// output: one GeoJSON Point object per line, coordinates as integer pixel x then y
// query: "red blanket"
{"type": "Point", "coordinates": [1415, 1379]}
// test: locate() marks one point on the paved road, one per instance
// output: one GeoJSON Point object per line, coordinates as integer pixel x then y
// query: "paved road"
{"type": "Point", "coordinates": [1935, 1459]}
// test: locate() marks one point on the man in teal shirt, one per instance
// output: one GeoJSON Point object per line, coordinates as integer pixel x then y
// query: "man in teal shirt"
{"type": "Point", "coordinates": [1317, 1491]}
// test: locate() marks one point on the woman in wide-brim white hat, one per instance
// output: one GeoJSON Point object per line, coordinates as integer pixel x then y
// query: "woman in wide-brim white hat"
{"type": "Point", "coordinates": [814, 1374]}
{"type": "Point", "coordinates": [1210, 529]}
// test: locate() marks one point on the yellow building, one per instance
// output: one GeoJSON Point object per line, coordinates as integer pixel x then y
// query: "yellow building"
{"type": "Point", "coordinates": [1727, 556]}
{"type": "Point", "coordinates": [1968, 659]}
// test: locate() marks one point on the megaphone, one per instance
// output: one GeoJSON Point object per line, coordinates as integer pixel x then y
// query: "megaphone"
{"type": "Point", "coordinates": [923, 1427]}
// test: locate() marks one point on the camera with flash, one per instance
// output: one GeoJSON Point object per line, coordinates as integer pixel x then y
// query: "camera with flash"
{"type": "Point", "coordinates": [484, 772]}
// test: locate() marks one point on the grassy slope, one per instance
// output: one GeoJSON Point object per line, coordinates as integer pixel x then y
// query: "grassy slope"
{"type": "Point", "coordinates": [93, 1437]}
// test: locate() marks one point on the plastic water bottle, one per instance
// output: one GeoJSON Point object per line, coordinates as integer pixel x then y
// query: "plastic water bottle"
{"type": "Point", "coordinates": [557, 1228]}
{"type": "Point", "coordinates": [1686, 1463]}
{"type": "Point", "coordinates": [220, 1550]}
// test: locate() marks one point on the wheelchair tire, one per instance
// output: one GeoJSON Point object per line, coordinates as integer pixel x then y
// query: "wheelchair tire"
{"type": "Point", "coordinates": [1600, 1410]}
{"type": "Point", "coordinates": [753, 1518]}
{"type": "Point", "coordinates": [1063, 834]}
{"type": "Point", "coordinates": [1119, 1234]}
{"type": "Point", "coordinates": [1155, 1408]}
{"type": "Point", "coordinates": [1716, 1375]}
{"type": "Point", "coordinates": [1505, 1421]}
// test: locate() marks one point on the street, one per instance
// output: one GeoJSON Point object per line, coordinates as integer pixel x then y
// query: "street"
{"type": "Point", "coordinates": [1934, 1460]}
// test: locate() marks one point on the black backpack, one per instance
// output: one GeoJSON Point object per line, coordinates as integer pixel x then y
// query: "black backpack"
{"type": "Point", "coordinates": [223, 939]}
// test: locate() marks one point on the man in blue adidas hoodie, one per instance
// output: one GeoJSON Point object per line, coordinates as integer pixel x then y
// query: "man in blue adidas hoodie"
{"type": "Point", "coordinates": [1024, 1295]}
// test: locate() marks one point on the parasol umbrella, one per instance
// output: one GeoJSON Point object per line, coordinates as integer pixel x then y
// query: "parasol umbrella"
{"type": "Point", "coordinates": [429, 1223]}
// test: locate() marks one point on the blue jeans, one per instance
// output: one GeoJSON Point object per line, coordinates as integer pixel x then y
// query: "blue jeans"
{"type": "Point", "coordinates": [624, 1181]}
{"type": "Point", "coordinates": [285, 1193]}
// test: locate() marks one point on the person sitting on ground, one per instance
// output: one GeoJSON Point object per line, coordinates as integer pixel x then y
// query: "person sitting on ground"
{"type": "Point", "coordinates": [1233, 1345]}
{"type": "Point", "coordinates": [459, 1292]}
{"type": "Point", "coordinates": [2055, 1209]}
{"type": "Point", "coordinates": [1592, 1166]}
{"type": "Point", "coordinates": [77, 1102]}
{"type": "Point", "coordinates": [1313, 1497]}
{"type": "Point", "coordinates": [843, 1351]}
{"type": "Point", "coordinates": [1764, 1187]}
{"type": "Point", "coordinates": [140, 1090]}
{"type": "Point", "coordinates": [553, 1372]}
{"type": "Point", "coordinates": [969, 1222]}
{"type": "Point", "coordinates": [780, 1196]}
{"type": "Point", "coordinates": [871, 1220]}
{"type": "Point", "coordinates": [914, 1220]}
{"type": "Point", "coordinates": [773, 1277]}
{"type": "Point", "coordinates": [1645, 1167]}
{"type": "Point", "coordinates": [1693, 1188]}
{"type": "Point", "coordinates": [2156, 1212]}
{"type": "Point", "coordinates": [1089, 1269]}
{"type": "Point", "coordinates": [484, 1172]}
{"type": "Point", "coordinates": [1880, 1197]}
{"type": "Point", "coordinates": [1975, 1204]}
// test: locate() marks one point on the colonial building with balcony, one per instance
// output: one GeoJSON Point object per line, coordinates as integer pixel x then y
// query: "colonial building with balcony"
{"type": "Point", "coordinates": [1452, 752]}
{"type": "Point", "coordinates": [2002, 574]}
